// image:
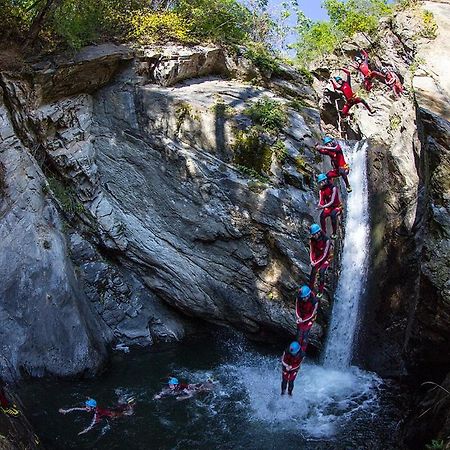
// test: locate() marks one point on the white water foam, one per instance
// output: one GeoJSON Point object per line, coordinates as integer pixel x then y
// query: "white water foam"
{"type": "Point", "coordinates": [353, 276]}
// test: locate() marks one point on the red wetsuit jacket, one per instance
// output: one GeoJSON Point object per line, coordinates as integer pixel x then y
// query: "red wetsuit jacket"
{"type": "Point", "coordinates": [364, 66]}
{"type": "Point", "coordinates": [318, 249]}
{"type": "Point", "coordinates": [346, 87]}
{"type": "Point", "coordinates": [335, 153]}
{"type": "Point", "coordinates": [305, 309]}
{"type": "Point", "coordinates": [102, 413]}
{"type": "Point", "coordinates": [294, 362]}
{"type": "Point", "coordinates": [327, 193]}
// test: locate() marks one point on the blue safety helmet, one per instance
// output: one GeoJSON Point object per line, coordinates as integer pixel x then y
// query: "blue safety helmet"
{"type": "Point", "coordinates": [315, 228]}
{"type": "Point", "coordinates": [294, 348]}
{"type": "Point", "coordinates": [338, 78]}
{"type": "Point", "coordinates": [173, 381]}
{"type": "Point", "coordinates": [321, 177]}
{"type": "Point", "coordinates": [91, 403]}
{"type": "Point", "coordinates": [327, 139]}
{"type": "Point", "coordinates": [305, 291]}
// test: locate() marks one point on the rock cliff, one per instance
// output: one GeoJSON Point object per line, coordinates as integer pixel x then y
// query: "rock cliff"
{"type": "Point", "coordinates": [124, 212]}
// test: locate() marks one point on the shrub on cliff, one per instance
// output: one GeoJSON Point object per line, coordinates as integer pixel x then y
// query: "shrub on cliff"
{"type": "Point", "coordinates": [346, 18]}
{"type": "Point", "coordinates": [148, 26]}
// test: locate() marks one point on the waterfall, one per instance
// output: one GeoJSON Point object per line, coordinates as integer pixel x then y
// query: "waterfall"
{"type": "Point", "coordinates": [351, 284]}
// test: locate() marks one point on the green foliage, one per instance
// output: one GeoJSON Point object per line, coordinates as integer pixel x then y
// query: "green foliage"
{"type": "Point", "coordinates": [435, 445]}
{"type": "Point", "coordinates": [268, 114]}
{"type": "Point", "coordinates": [352, 16]}
{"type": "Point", "coordinates": [79, 22]}
{"type": "Point", "coordinates": [262, 58]}
{"type": "Point", "coordinates": [148, 26]}
{"type": "Point", "coordinates": [65, 196]}
{"type": "Point", "coordinates": [15, 18]}
{"type": "Point", "coordinates": [430, 27]}
{"type": "Point", "coordinates": [346, 18]}
{"type": "Point", "coordinates": [256, 185]}
{"type": "Point", "coordinates": [252, 152]}
{"type": "Point", "coordinates": [406, 4]}
{"type": "Point", "coordinates": [280, 151]}
{"type": "Point", "coordinates": [76, 23]}
{"type": "Point", "coordinates": [252, 173]}
{"type": "Point", "coordinates": [307, 75]}
{"type": "Point", "coordinates": [298, 104]}
{"type": "Point", "coordinates": [394, 122]}
{"type": "Point", "coordinates": [315, 40]}
{"type": "Point", "coordinates": [301, 164]}
{"type": "Point", "coordinates": [221, 109]}
{"type": "Point", "coordinates": [184, 111]}
{"type": "Point", "coordinates": [224, 21]}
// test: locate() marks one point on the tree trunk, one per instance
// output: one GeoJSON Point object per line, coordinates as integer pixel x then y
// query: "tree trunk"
{"type": "Point", "coordinates": [38, 21]}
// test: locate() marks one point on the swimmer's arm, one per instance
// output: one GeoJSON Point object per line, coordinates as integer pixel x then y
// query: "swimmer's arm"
{"type": "Point", "coordinates": [94, 421]}
{"type": "Point", "coordinates": [65, 411]}
{"type": "Point", "coordinates": [186, 394]}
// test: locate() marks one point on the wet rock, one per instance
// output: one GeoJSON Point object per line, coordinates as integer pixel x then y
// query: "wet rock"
{"type": "Point", "coordinates": [47, 324]}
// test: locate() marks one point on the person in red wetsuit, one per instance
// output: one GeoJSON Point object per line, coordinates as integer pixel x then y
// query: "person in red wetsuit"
{"type": "Point", "coordinates": [329, 203]}
{"type": "Point", "coordinates": [183, 391]}
{"type": "Point", "coordinates": [351, 98]}
{"type": "Point", "coordinates": [332, 149]}
{"type": "Point", "coordinates": [6, 406]}
{"type": "Point", "coordinates": [306, 306]}
{"type": "Point", "coordinates": [290, 365]}
{"type": "Point", "coordinates": [392, 79]}
{"type": "Point", "coordinates": [320, 256]}
{"type": "Point", "coordinates": [120, 410]}
{"type": "Point", "coordinates": [362, 65]}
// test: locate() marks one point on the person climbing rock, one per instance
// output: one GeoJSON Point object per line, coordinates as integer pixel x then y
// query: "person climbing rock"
{"type": "Point", "coordinates": [332, 149]}
{"type": "Point", "coordinates": [306, 305]}
{"type": "Point", "coordinates": [6, 407]}
{"type": "Point", "coordinates": [320, 255]}
{"type": "Point", "coordinates": [183, 391]}
{"type": "Point", "coordinates": [290, 365]}
{"type": "Point", "coordinates": [329, 203]}
{"type": "Point", "coordinates": [392, 80]}
{"type": "Point", "coordinates": [351, 98]}
{"type": "Point", "coordinates": [122, 409]}
{"type": "Point", "coordinates": [362, 65]}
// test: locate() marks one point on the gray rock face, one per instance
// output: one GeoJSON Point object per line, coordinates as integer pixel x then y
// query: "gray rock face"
{"type": "Point", "coordinates": [157, 218]}
{"type": "Point", "coordinates": [47, 325]}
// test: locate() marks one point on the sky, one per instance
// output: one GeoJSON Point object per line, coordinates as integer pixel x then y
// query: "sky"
{"type": "Point", "coordinates": [311, 8]}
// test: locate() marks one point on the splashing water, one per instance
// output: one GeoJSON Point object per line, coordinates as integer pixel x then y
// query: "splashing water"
{"type": "Point", "coordinates": [353, 265]}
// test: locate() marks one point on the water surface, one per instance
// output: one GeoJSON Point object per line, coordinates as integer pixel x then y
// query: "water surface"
{"type": "Point", "coordinates": [330, 409]}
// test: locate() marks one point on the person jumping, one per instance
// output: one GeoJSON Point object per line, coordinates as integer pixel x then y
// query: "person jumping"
{"type": "Point", "coordinates": [125, 409]}
{"type": "Point", "coordinates": [362, 65]}
{"type": "Point", "coordinates": [320, 256]}
{"type": "Point", "coordinates": [306, 306]}
{"type": "Point", "coordinates": [332, 149]}
{"type": "Point", "coordinates": [392, 80]}
{"type": "Point", "coordinates": [290, 365]}
{"type": "Point", "coordinates": [351, 98]}
{"type": "Point", "coordinates": [329, 203]}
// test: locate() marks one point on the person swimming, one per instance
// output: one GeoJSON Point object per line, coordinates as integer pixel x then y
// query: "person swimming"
{"type": "Point", "coordinates": [183, 391]}
{"type": "Point", "coordinates": [122, 409]}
